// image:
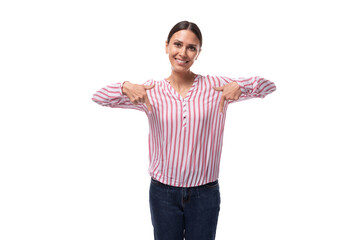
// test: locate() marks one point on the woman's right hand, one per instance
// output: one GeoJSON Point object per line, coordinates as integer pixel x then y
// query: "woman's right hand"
{"type": "Point", "coordinates": [137, 93]}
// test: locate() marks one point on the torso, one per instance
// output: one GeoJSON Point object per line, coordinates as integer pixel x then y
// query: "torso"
{"type": "Point", "coordinates": [183, 93]}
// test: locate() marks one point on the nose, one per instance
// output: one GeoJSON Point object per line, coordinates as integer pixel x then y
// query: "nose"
{"type": "Point", "coordinates": [183, 51]}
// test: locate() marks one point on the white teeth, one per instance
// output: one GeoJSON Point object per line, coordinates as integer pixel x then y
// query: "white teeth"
{"type": "Point", "coordinates": [180, 61]}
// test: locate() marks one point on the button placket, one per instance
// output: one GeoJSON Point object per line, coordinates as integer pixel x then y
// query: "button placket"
{"type": "Point", "coordinates": [184, 108]}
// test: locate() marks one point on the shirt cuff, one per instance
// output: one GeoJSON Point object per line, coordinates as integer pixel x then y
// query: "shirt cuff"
{"type": "Point", "coordinates": [121, 85]}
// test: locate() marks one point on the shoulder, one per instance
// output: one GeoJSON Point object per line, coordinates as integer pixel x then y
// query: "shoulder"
{"type": "Point", "coordinates": [151, 82]}
{"type": "Point", "coordinates": [148, 82]}
{"type": "Point", "coordinates": [214, 80]}
{"type": "Point", "coordinates": [226, 79]}
{"type": "Point", "coordinates": [158, 83]}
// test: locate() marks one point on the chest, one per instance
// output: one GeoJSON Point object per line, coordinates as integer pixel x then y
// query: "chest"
{"type": "Point", "coordinates": [194, 106]}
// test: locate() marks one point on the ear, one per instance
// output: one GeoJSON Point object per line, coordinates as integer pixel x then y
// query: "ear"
{"type": "Point", "coordinates": [166, 47]}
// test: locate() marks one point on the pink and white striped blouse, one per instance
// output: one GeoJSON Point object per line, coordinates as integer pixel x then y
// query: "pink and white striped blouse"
{"type": "Point", "coordinates": [185, 134]}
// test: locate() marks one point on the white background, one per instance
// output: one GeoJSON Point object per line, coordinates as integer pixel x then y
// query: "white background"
{"type": "Point", "coordinates": [71, 169]}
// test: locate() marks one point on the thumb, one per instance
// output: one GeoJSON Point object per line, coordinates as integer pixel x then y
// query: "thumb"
{"type": "Point", "coordinates": [149, 86]}
{"type": "Point", "coordinates": [220, 88]}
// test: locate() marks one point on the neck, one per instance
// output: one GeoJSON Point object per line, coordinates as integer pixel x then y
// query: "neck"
{"type": "Point", "coordinates": [181, 79]}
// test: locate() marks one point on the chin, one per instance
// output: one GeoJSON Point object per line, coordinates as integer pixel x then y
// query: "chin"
{"type": "Point", "coordinates": [180, 69]}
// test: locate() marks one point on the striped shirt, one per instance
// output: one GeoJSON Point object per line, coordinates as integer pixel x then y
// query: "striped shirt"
{"type": "Point", "coordinates": [185, 134]}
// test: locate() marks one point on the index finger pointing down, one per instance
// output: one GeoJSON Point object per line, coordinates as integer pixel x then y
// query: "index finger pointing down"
{"type": "Point", "coordinates": [147, 102]}
{"type": "Point", "coordinates": [222, 100]}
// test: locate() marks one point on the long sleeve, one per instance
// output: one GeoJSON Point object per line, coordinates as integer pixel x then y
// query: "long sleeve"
{"type": "Point", "coordinates": [112, 96]}
{"type": "Point", "coordinates": [254, 87]}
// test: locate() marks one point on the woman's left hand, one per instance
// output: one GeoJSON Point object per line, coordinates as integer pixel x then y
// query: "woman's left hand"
{"type": "Point", "coordinates": [231, 91]}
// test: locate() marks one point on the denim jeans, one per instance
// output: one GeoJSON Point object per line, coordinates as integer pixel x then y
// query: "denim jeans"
{"type": "Point", "coordinates": [190, 213]}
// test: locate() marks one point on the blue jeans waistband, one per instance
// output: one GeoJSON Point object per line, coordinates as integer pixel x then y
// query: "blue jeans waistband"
{"type": "Point", "coordinates": [165, 185]}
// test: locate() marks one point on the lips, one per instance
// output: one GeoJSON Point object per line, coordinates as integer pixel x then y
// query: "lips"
{"type": "Point", "coordinates": [181, 62]}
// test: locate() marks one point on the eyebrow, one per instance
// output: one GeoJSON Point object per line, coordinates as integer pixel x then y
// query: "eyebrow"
{"type": "Point", "coordinates": [192, 45]}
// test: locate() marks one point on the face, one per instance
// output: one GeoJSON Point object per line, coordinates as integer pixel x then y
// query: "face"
{"type": "Point", "coordinates": [183, 49]}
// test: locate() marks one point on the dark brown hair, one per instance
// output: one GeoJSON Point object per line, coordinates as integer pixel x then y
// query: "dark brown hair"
{"type": "Point", "coordinates": [185, 25]}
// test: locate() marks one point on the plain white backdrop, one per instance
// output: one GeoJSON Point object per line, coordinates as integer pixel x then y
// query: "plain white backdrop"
{"type": "Point", "coordinates": [71, 169]}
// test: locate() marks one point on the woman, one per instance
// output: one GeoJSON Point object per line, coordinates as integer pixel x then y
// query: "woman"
{"type": "Point", "coordinates": [186, 114]}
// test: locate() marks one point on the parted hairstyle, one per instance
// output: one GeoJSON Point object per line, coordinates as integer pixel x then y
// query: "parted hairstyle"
{"type": "Point", "coordinates": [185, 25]}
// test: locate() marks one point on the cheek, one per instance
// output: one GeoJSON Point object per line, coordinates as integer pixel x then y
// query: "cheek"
{"type": "Point", "coordinates": [194, 55]}
{"type": "Point", "coordinates": [172, 52]}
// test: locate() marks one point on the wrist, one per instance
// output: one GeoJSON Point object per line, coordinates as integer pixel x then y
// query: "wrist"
{"type": "Point", "coordinates": [124, 88]}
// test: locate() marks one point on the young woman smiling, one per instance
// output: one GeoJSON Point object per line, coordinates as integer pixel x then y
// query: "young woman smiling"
{"type": "Point", "coordinates": [186, 113]}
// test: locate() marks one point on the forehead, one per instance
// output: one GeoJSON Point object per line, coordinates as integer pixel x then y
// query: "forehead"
{"type": "Point", "coordinates": [185, 36]}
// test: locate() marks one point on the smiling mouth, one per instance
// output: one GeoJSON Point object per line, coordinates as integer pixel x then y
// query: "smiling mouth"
{"type": "Point", "coordinates": [181, 62]}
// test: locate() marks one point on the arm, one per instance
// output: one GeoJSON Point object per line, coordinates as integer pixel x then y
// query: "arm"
{"type": "Point", "coordinates": [254, 87]}
{"type": "Point", "coordinates": [113, 96]}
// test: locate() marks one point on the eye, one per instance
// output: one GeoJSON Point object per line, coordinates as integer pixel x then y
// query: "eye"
{"type": "Point", "coordinates": [177, 44]}
{"type": "Point", "coordinates": [192, 48]}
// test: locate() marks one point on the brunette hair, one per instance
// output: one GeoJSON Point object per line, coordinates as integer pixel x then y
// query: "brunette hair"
{"type": "Point", "coordinates": [185, 25]}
